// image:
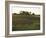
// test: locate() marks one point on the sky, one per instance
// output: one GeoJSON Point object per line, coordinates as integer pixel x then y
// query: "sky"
{"type": "Point", "coordinates": [16, 8]}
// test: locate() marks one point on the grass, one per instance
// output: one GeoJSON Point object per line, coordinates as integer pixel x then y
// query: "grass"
{"type": "Point", "coordinates": [23, 22]}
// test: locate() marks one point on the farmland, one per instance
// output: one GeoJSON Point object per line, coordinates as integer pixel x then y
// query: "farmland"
{"type": "Point", "coordinates": [25, 22]}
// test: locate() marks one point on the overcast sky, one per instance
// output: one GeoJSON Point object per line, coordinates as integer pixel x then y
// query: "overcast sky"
{"type": "Point", "coordinates": [16, 8]}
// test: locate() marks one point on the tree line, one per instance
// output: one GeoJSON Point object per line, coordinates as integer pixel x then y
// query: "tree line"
{"type": "Point", "coordinates": [24, 13]}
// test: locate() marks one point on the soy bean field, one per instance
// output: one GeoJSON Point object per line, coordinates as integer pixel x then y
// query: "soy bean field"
{"type": "Point", "coordinates": [25, 22]}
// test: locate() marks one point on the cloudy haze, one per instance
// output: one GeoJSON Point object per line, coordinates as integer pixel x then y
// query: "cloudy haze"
{"type": "Point", "coordinates": [16, 8]}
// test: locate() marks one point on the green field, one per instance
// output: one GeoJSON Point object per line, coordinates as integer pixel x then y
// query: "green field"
{"type": "Point", "coordinates": [25, 22]}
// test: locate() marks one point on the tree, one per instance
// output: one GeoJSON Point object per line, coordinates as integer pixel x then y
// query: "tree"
{"type": "Point", "coordinates": [33, 14]}
{"type": "Point", "coordinates": [24, 13]}
{"type": "Point", "coordinates": [27, 13]}
{"type": "Point", "coordinates": [14, 13]}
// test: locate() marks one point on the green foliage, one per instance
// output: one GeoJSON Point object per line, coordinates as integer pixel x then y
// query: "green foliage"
{"type": "Point", "coordinates": [14, 14]}
{"type": "Point", "coordinates": [24, 13]}
{"type": "Point", "coordinates": [33, 14]}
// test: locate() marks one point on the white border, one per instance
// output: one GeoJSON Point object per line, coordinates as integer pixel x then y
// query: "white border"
{"type": "Point", "coordinates": [24, 32]}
